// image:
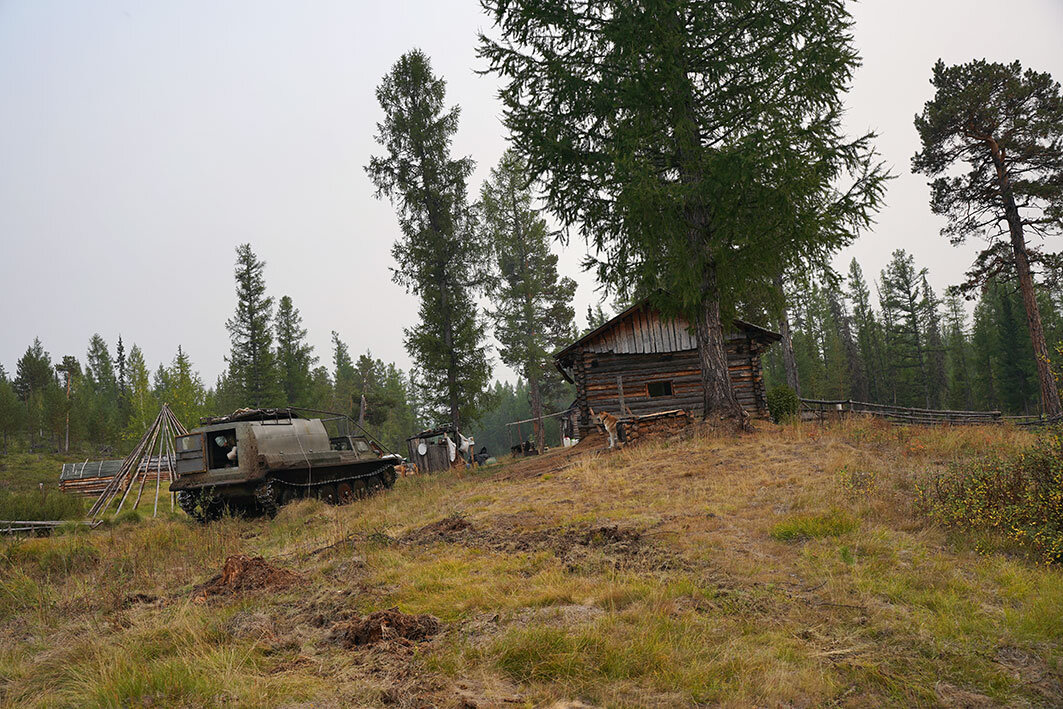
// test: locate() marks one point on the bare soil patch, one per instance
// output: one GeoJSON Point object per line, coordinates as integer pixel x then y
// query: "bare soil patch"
{"type": "Point", "coordinates": [624, 547]}
{"type": "Point", "coordinates": [245, 573]}
{"type": "Point", "coordinates": [384, 626]}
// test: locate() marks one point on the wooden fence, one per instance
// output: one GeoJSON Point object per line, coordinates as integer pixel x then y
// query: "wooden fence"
{"type": "Point", "coordinates": [819, 409]}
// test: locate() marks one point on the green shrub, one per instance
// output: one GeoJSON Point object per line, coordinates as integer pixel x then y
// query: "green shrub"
{"type": "Point", "coordinates": [783, 403]}
{"type": "Point", "coordinates": [1019, 497]}
{"type": "Point", "coordinates": [813, 527]}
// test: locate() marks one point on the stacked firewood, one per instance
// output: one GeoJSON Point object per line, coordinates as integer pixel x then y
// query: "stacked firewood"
{"type": "Point", "coordinates": [639, 428]}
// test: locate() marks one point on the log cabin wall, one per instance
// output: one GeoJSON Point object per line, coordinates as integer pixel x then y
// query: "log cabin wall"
{"type": "Point", "coordinates": [655, 362]}
{"type": "Point", "coordinates": [603, 374]}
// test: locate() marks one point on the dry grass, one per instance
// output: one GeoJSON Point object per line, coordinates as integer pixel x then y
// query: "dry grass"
{"type": "Point", "coordinates": [786, 567]}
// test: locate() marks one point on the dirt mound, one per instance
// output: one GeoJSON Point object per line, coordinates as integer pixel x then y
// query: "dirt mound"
{"type": "Point", "coordinates": [245, 573]}
{"type": "Point", "coordinates": [384, 626]}
{"type": "Point", "coordinates": [610, 536]}
{"type": "Point", "coordinates": [448, 529]}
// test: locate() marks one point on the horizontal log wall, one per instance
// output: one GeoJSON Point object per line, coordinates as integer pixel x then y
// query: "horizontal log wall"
{"type": "Point", "coordinates": [596, 380]}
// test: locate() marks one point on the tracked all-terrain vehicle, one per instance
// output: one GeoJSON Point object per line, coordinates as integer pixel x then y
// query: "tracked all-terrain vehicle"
{"type": "Point", "coordinates": [255, 460]}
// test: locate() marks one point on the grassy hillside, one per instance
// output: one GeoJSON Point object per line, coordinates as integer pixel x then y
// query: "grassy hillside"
{"type": "Point", "coordinates": [22, 496]}
{"type": "Point", "coordinates": [787, 567]}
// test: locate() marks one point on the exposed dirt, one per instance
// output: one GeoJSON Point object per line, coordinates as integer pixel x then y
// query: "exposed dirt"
{"type": "Point", "coordinates": [384, 626]}
{"type": "Point", "coordinates": [624, 547]}
{"type": "Point", "coordinates": [553, 460]}
{"type": "Point", "coordinates": [245, 573]}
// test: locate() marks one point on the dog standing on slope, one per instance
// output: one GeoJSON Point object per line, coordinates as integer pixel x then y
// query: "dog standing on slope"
{"type": "Point", "coordinates": [609, 422]}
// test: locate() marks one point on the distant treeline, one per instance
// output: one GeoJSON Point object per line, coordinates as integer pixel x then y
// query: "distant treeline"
{"type": "Point", "coordinates": [897, 341]}
{"type": "Point", "coordinates": [102, 405]}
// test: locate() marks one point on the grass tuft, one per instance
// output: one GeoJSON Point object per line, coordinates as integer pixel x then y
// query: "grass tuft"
{"type": "Point", "coordinates": [832, 524]}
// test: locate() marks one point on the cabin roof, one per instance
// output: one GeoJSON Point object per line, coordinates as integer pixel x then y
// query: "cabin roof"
{"type": "Point", "coordinates": [681, 340]}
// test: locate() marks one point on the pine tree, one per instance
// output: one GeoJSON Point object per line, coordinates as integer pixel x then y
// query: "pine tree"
{"type": "Point", "coordinates": [143, 407]}
{"type": "Point", "coordinates": [957, 353]}
{"type": "Point", "coordinates": [122, 375]}
{"type": "Point", "coordinates": [1007, 126]}
{"type": "Point", "coordinates": [856, 371]}
{"type": "Point", "coordinates": [295, 357]}
{"type": "Point", "coordinates": [180, 386]}
{"type": "Point", "coordinates": [344, 378]}
{"type": "Point", "coordinates": [33, 372]}
{"type": "Point", "coordinates": [532, 314]}
{"type": "Point", "coordinates": [869, 338]}
{"type": "Point", "coordinates": [904, 331]}
{"type": "Point", "coordinates": [251, 362]}
{"type": "Point", "coordinates": [650, 127]}
{"type": "Point", "coordinates": [789, 359]}
{"type": "Point", "coordinates": [596, 317]}
{"type": "Point", "coordinates": [320, 394]}
{"type": "Point", "coordinates": [10, 411]}
{"type": "Point", "coordinates": [930, 316]}
{"type": "Point", "coordinates": [983, 345]}
{"type": "Point", "coordinates": [439, 252]}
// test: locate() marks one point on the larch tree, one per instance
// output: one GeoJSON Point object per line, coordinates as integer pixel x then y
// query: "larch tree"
{"type": "Point", "coordinates": [930, 315]}
{"type": "Point", "coordinates": [868, 332]}
{"type": "Point", "coordinates": [899, 296]}
{"type": "Point", "coordinates": [957, 355]}
{"type": "Point", "coordinates": [182, 389]}
{"type": "Point", "coordinates": [295, 357]}
{"type": "Point", "coordinates": [439, 255]}
{"type": "Point", "coordinates": [143, 406]}
{"type": "Point", "coordinates": [344, 377]}
{"type": "Point", "coordinates": [251, 362]}
{"type": "Point", "coordinates": [10, 411]}
{"type": "Point", "coordinates": [789, 359]}
{"type": "Point", "coordinates": [695, 144]}
{"type": "Point", "coordinates": [532, 305]}
{"type": "Point", "coordinates": [1006, 126]}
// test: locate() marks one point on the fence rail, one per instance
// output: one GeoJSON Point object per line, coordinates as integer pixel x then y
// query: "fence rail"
{"type": "Point", "coordinates": [819, 409]}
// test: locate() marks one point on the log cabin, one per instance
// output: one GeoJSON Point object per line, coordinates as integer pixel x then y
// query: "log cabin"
{"type": "Point", "coordinates": [642, 363]}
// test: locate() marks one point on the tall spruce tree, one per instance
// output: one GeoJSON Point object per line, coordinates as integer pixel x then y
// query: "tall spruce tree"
{"type": "Point", "coordinates": [957, 352]}
{"type": "Point", "coordinates": [1006, 124]}
{"type": "Point", "coordinates": [695, 143]}
{"type": "Point", "coordinates": [295, 357]}
{"type": "Point", "coordinates": [344, 376]}
{"type": "Point", "coordinates": [868, 332]}
{"type": "Point", "coordinates": [252, 371]}
{"type": "Point", "coordinates": [181, 388]}
{"type": "Point", "coordinates": [930, 314]}
{"type": "Point", "coordinates": [10, 411]}
{"type": "Point", "coordinates": [142, 404]}
{"type": "Point", "coordinates": [904, 329]}
{"type": "Point", "coordinates": [532, 314]}
{"type": "Point", "coordinates": [789, 359]}
{"type": "Point", "coordinates": [439, 253]}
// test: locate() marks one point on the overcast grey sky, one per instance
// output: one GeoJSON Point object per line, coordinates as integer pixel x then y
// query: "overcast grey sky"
{"type": "Point", "coordinates": [141, 142]}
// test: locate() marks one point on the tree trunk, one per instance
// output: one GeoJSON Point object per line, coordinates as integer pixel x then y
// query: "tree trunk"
{"type": "Point", "coordinates": [719, 400]}
{"type": "Point", "coordinates": [788, 359]}
{"type": "Point", "coordinates": [536, 411]}
{"type": "Point", "coordinates": [1049, 393]}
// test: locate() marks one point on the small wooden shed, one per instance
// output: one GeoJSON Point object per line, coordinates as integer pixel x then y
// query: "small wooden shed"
{"type": "Point", "coordinates": [643, 363]}
{"type": "Point", "coordinates": [430, 450]}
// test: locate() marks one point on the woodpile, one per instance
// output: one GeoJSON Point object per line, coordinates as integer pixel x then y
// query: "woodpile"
{"type": "Point", "coordinates": [92, 477]}
{"type": "Point", "coordinates": [641, 428]}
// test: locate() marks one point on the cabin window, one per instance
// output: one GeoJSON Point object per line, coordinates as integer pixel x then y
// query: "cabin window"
{"type": "Point", "coordinates": [657, 389]}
